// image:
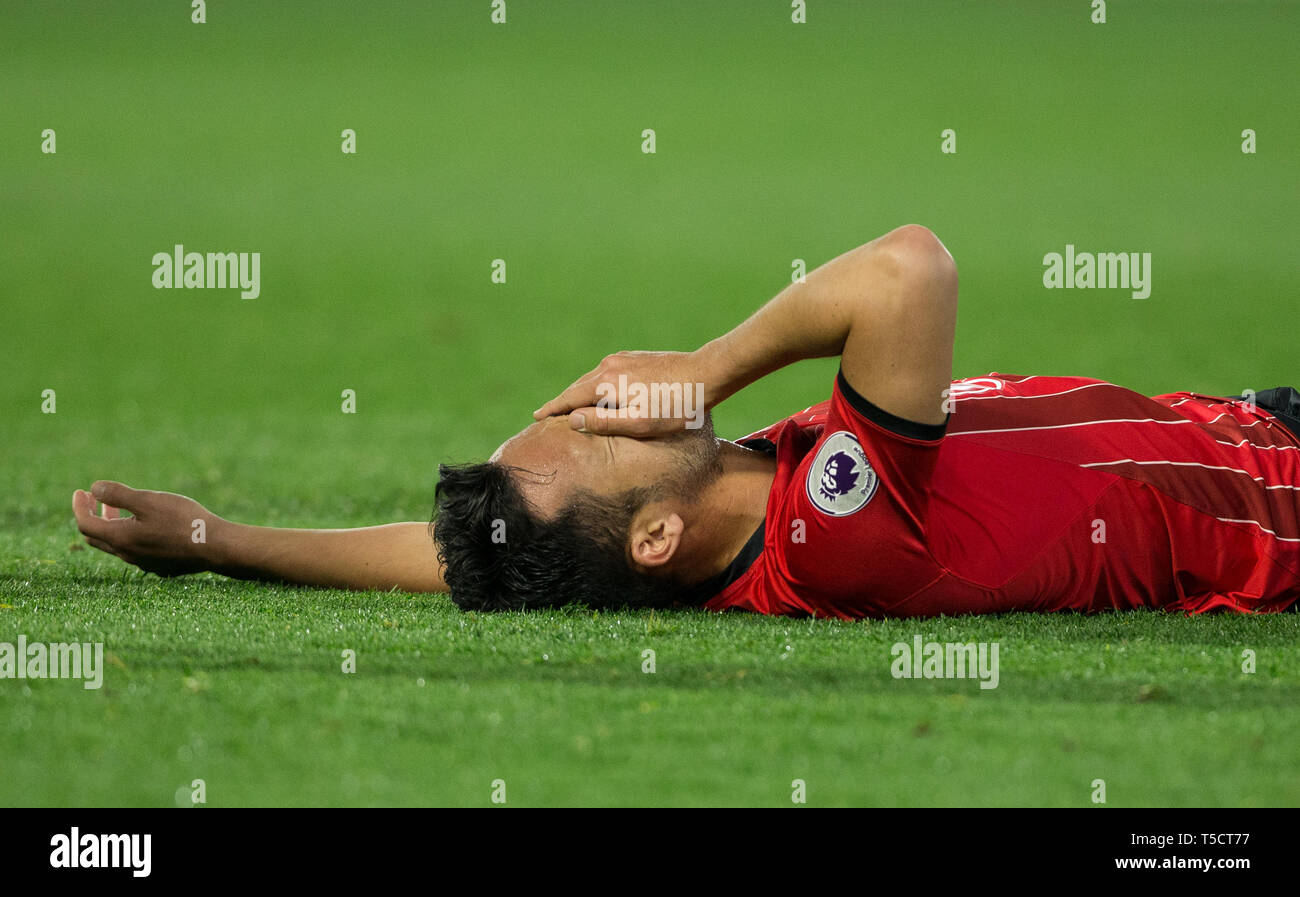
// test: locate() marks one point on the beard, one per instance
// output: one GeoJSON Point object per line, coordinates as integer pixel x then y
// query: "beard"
{"type": "Point", "coordinates": [697, 461]}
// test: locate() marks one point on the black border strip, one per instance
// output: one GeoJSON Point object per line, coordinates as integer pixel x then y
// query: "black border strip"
{"type": "Point", "coordinates": [882, 418]}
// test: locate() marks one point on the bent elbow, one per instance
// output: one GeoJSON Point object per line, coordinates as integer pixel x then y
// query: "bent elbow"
{"type": "Point", "coordinates": [922, 261]}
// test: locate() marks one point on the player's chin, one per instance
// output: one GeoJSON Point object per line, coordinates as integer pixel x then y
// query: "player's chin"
{"type": "Point", "coordinates": [699, 427]}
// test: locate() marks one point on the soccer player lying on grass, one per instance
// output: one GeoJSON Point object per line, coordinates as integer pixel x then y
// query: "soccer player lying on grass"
{"type": "Point", "coordinates": [904, 494]}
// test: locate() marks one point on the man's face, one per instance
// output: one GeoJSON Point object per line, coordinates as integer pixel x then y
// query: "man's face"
{"type": "Point", "coordinates": [554, 461]}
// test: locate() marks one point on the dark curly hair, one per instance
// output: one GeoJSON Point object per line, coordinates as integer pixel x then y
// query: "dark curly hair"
{"type": "Point", "coordinates": [499, 556]}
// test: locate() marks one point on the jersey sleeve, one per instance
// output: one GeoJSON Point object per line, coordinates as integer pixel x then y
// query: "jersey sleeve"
{"type": "Point", "coordinates": [901, 453]}
{"type": "Point", "coordinates": [858, 501]}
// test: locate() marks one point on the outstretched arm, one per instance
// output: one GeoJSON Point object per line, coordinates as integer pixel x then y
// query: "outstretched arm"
{"type": "Point", "coordinates": [888, 308]}
{"type": "Point", "coordinates": [170, 535]}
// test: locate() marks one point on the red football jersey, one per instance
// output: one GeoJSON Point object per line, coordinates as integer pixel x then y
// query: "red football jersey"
{"type": "Point", "coordinates": [1038, 494]}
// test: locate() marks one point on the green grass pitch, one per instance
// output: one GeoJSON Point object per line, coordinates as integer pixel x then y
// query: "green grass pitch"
{"type": "Point", "coordinates": [522, 141]}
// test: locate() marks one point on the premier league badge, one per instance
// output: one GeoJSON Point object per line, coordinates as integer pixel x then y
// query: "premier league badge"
{"type": "Point", "coordinates": [841, 480]}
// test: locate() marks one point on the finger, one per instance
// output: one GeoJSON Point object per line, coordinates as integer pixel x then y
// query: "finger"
{"type": "Point", "coordinates": [561, 404]}
{"type": "Point", "coordinates": [111, 513]}
{"type": "Point", "coordinates": [102, 546]}
{"type": "Point", "coordinates": [81, 499]}
{"type": "Point", "coordinates": [578, 395]}
{"type": "Point", "coordinates": [90, 524]}
{"type": "Point", "coordinates": [548, 409]}
{"type": "Point", "coordinates": [565, 402]}
{"type": "Point", "coordinates": [604, 422]}
{"type": "Point", "coordinates": [118, 495]}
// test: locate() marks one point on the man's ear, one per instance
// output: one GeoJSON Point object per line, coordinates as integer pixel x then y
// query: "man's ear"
{"type": "Point", "coordinates": [656, 535]}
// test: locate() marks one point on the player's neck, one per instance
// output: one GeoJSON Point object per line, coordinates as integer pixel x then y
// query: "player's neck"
{"type": "Point", "coordinates": [728, 513]}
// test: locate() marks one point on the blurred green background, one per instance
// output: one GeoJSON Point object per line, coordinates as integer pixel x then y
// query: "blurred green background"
{"type": "Point", "coordinates": [522, 141]}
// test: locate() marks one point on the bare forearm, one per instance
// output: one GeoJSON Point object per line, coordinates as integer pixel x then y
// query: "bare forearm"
{"type": "Point", "coordinates": [395, 555]}
{"type": "Point", "coordinates": [805, 320]}
{"type": "Point", "coordinates": [887, 308]}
